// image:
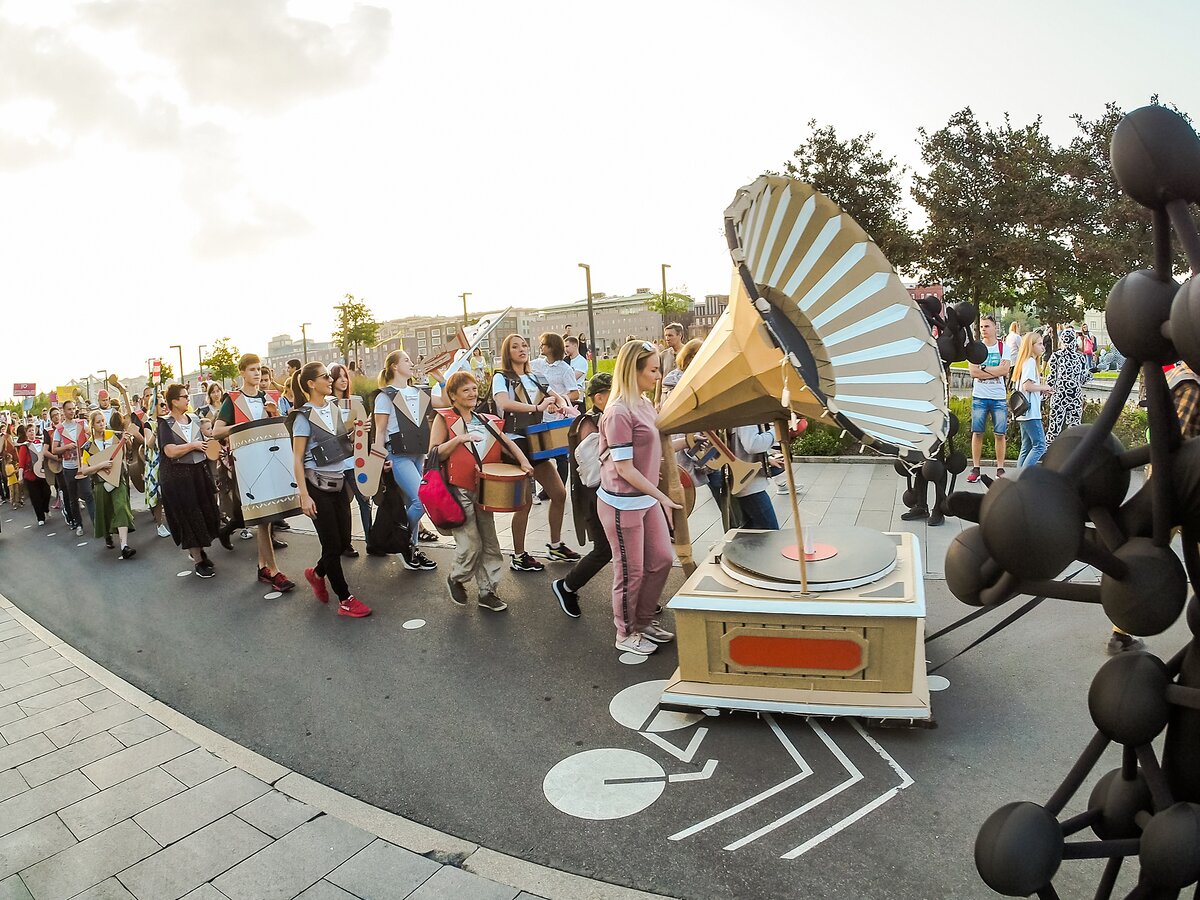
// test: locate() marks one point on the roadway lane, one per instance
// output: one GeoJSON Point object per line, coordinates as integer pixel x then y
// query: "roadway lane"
{"type": "Point", "coordinates": [457, 723]}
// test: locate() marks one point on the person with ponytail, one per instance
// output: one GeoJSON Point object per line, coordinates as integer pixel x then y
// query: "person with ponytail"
{"type": "Point", "coordinates": [524, 400]}
{"type": "Point", "coordinates": [629, 502]}
{"type": "Point", "coordinates": [467, 440]}
{"type": "Point", "coordinates": [1027, 379]}
{"type": "Point", "coordinates": [403, 415]}
{"type": "Point", "coordinates": [321, 445]}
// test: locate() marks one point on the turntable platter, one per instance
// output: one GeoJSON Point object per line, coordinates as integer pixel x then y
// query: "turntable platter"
{"type": "Point", "coordinates": [761, 559]}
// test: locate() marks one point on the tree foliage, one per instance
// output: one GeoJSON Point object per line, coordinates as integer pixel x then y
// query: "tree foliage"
{"type": "Point", "coordinates": [355, 326]}
{"type": "Point", "coordinates": [222, 361]}
{"type": "Point", "coordinates": [670, 305]}
{"type": "Point", "coordinates": [863, 182]}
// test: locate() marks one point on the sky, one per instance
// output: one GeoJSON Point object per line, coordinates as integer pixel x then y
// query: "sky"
{"type": "Point", "coordinates": [177, 171]}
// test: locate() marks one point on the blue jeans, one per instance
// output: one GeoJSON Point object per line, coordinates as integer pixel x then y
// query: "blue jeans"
{"type": "Point", "coordinates": [982, 408]}
{"type": "Point", "coordinates": [407, 472]}
{"type": "Point", "coordinates": [758, 511]}
{"type": "Point", "coordinates": [1033, 442]}
{"type": "Point", "coordinates": [364, 503]}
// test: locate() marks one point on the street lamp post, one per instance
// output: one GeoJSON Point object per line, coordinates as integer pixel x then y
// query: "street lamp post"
{"type": "Point", "coordinates": [464, 300]}
{"type": "Point", "coordinates": [304, 338]}
{"type": "Point", "coordinates": [105, 371]}
{"type": "Point", "coordinates": [587, 271]}
{"type": "Point", "coordinates": [180, 349]}
{"type": "Point", "coordinates": [200, 360]}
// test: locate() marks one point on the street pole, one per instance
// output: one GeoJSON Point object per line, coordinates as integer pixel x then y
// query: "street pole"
{"type": "Point", "coordinates": [593, 345]}
{"type": "Point", "coordinates": [200, 360]}
{"type": "Point", "coordinates": [464, 300]}
{"type": "Point", "coordinates": [665, 266]}
{"type": "Point", "coordinates": [180, 349]}
{"type": "Point", "coordinates": [304, 337]}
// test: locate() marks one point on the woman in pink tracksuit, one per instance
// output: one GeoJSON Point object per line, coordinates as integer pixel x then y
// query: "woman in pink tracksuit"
{"type": "Point", "coordinates": [630, 505]}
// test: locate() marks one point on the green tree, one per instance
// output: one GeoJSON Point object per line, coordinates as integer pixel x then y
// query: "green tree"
{"type": "Point", "coordinates": [670, 305]}
{"type": "Point", "coordinates": [222, 361]}
{"type": "Point", "coordinates": [355, 326]}
{"type": "Point", "coordinates": [863, 182]}
{"type": "Point", "coordinates": [168, 372]}
{"type": "Point", "coordinates": [963, 244]}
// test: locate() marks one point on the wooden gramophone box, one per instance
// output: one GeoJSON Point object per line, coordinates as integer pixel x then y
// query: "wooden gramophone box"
{"type": "Point", "coordinates": [857, 651]}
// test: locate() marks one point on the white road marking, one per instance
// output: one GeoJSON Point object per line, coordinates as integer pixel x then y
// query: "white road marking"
{"type": "Point", "coordinates": [703, 775]}
{"type": "Point", "coordinates": [273, 595]}
{"type": "Point", "coordinates": [184, 574]}
{"type": "Point", "coordinates": [855, 777]}
{"type": "Point", "coordinates": [685, 755]}
{"type": "Point", "coordinates": [805, 771]}
{"type": "Point", "coordinates": [636, 707]}
{"type": "Point", "coordinates": [632, 659]}
{"type": "Point", "coordinates": [608, 783]}
{"type": "Point", "coordinates": [413, 624]}
{"type": "Point", "coordinates": [938, 682]}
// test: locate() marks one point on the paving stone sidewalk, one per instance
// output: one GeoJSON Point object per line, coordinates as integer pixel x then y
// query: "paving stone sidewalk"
{"type": "Point", "coordinates": [105, 793]}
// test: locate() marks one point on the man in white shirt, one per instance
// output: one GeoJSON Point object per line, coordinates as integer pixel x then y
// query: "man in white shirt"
{"type": "Point", "coordinates": [752, 443]}
{"type": "Point", "coordinates": [69, 436]}
{"type": "Point", "coordinates": [577, 361]}
{"type": "Point", "coordinates": [989, 398]}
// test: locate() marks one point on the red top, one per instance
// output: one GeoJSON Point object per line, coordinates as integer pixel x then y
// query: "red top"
{"type": "Point", "coordinates": [462, 466]}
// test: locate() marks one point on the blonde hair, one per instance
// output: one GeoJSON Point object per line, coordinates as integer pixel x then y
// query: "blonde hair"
{"type": "Point", "coordinates": [1024, 353]}
{"type": "Point", "coordinates": [385, 374]}
{"type": "Point", "coordinates": [247, 360]}
{"type": "Point", "coordinates": [103, 422]}
{"type": "Point", "coordinates": [630, 361]}
{"type": "Point", "coordinates": [686, 352]}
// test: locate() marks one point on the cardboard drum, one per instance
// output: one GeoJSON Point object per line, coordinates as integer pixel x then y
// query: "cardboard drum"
{"type": "Point", "coordinates": [262, 457]}
{"type": "Point", "coordinates": [503, 488]}
{"type": "Point", "coordinates": [548, 440]}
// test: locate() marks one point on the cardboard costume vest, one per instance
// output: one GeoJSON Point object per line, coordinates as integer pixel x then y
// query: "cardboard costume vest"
{"type": "Point", "coordinates": [463, 464]}
{"type": "Point", "coordinates": [517, 422]}
{"type": "Point", "coordinates": [328, 447]}
{"type": "Point", "coordinates": [413, 437]}
{"type": "Point", "coordinates": [241, 410]}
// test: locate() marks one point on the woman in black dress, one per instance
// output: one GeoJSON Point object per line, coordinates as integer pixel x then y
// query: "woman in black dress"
{"type": "Point", "coordinates": [186, 483]}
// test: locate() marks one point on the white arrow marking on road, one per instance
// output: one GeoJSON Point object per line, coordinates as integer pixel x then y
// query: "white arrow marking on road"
{"type": "Point", "coordinates": [805, 771]}
{"type": "Point", "coordinates": [685, 755]}
{"type": "Point", "coordinates": [905, 781]}
{"type": "Point", "coordinates": [855, 777]}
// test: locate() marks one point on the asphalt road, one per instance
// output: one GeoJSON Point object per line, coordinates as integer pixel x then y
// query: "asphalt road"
{"type": "Point", "coordinates": [457, 723]}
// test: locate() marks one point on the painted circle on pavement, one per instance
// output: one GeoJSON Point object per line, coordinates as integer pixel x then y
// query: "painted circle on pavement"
{"type": "Point", "coordinates": [183, 574]}
{"type": "Point", "coordinates": [413, 624]}
{"type": "Point", "coordinates": [636, 707]}
{"type": "Point", "coordinates": [273, 595]}
{"type": "Point", "coordinates": [632, 659]}
{"type": "Point", "coordinates": [938, 682]}
{"type": "Point", "coordinates": [594, 784]}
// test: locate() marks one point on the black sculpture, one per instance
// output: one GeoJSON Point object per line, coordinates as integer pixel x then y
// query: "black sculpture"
{"type": "Point", "coordinates": [1073, 507]}
{"type": "Point", "coordinates": [951, 327]}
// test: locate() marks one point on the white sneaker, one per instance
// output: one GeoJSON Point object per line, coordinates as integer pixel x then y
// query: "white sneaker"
{"type": "Point", "coordinates": [635, 643]}
{"type": "Point", "coordinates": [246, 535]}
{"type": "Point", "coordinates": [658, 634]}
{"type": "Point", "coordinates": [781, 488]}
{"type": "Point", "coordinates": [164, 531]}
{"type": "Point", "coordinates": [79, 531]}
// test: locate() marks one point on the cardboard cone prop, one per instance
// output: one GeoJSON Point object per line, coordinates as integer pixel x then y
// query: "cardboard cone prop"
{"type": "Point", "coordinates": [810, 283]}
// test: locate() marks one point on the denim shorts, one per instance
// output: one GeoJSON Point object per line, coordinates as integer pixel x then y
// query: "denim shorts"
{"type": "Point", "coordinates": [981, 408]}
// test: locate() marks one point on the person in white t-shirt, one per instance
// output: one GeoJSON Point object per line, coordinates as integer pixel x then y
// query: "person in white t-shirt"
{"type": "Point", "coordinates": [522, 401]}
{"type": "Point", "coordinates": [577, 360]}
{"type": "Point", "coordinates": [1028, 380]}
{"type": "Point", "coordinates": [989, 398]}
{"type": "Point", "coordinates": [1012, 342]}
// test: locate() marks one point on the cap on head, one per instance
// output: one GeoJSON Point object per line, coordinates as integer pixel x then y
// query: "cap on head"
{"type": "Point", "coordinates": [600, 384]}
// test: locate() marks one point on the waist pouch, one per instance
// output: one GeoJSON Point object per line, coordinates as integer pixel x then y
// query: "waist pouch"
{"type": "Point", "coordinates": [323, 481]}
{"type": "Point", "coordinates": [415, 445]}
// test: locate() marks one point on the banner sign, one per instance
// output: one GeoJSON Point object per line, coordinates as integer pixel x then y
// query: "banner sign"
{"type": "Point", "coordinates": [156, 371]}
{"type": "Point", "coordinates": [28, 403]}
{"type": "Point", "coordinates": [24, 389]}
{"type": "Point", "coordinates": [67, 392]}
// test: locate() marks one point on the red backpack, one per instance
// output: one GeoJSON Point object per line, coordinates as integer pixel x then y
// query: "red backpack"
{"type": "Point", "coordinates": [435, 495]}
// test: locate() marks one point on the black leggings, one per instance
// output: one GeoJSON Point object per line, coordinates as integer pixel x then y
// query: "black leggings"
{"type": "Point", "coordinates": [601, 553]}
{"type": "Point", "coordinates": [68, 487]}
{"type": "Point", "coordinates": [333, 528]}
{"type": "Point", "coordinates": [39, 496]}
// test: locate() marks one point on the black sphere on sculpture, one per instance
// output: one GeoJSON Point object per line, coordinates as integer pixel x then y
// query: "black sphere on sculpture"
{"type": "Point", "coordinates": [1156, 157]}
{"type": "Point", "coordinates": [1018, 850]}
{"type": "Point", "coordinates": [1128, 698]}
{"type": "Point", "coordinates": [1149, 599]}
{"type": "Point", "coordinates": [969, 568]}
{"type": "Point", "coordinates": [1170, 852]}
{"type": "Point", "coordinates": [1185, 323]}
{"type": "Point", "coordinates": [1118, 801]}
{"type": "Point", "coordinates": [1103, 480]}
{"type": "Point", "coordinates": [1033, 524]}
{"type": "Point", "coordinates": [1138, 307]}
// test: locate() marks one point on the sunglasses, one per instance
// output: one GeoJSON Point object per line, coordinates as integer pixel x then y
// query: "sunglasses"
{"type": "Point", "coordinates": [647, 346]}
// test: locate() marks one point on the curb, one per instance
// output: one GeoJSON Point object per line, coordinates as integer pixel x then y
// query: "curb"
{"type": "Point", "coordinates": [552, 884]}
{"type": "Point", "coordinates": [871, 461]}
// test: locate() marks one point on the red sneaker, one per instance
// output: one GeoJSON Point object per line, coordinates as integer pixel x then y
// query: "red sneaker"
{"type": "Point", "coordinates": [318, 585]}
{"type": "Point", "coordinates": [282, 583]}
{"type": "Point", "coordinates": [266, 577]}
{"type": "Point", "coordinates": [353, 607]}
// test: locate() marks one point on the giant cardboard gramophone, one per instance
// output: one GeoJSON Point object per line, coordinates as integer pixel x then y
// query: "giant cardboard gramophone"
{"type": "Point", "coordinates": [818, 325]}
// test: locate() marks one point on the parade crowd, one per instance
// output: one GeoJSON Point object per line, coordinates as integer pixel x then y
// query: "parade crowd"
{"type": "Point", "coordinates": [444, 441]}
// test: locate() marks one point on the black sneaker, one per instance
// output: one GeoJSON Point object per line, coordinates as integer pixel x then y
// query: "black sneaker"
{"type": "Point", "coordinates": [973, 475]}
{"type": "Point", "coordinates": [458, 592]}
{"type": "Point", "coordinates": [205, 568]}
{"type": "Point", "coordinates": [523, 562]}
{"type": "Point", "coordinates": [108, 542]}
{"type": "Point", "coordinates": [128, 553]}
{"type": "Point", "coordinates": [568, 600]}
{"type": "Point", "coordinates": [278, 544]}
{"type": "Point", "coordinates": [223, 537]}
{"type": "Point", "coordinates": [423, 561]}
{"type": "Point", "coordinates": [492, 603]}
{"type": "Point", "coordinates": [562, 553]}
{"type": "Point", "coordinates": [917, 512]}
{"type": "Point", "coordinates": [283, 525]}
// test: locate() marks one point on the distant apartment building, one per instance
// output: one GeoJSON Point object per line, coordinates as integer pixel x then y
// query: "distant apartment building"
{"type": "Point", "coordinates": [705, 315]}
